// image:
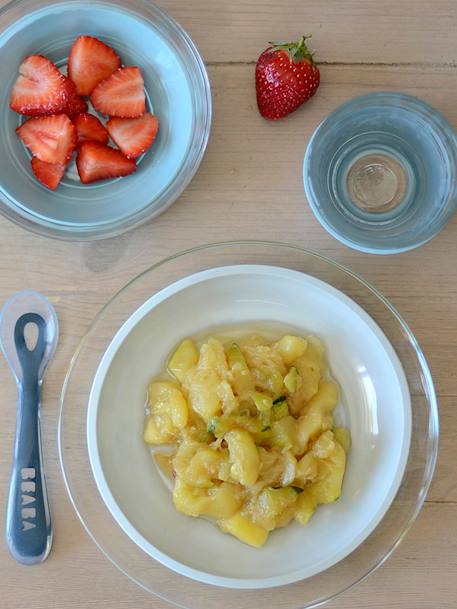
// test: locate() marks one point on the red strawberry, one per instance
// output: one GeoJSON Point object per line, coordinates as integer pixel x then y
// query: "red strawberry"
{"type": "Point", "coordinates": [285, 77]}
{"type": "Point", "coordinates": [40, 88]}
{"type": "Point", "coordinates": [51, 139]}
{"type": "Point", "coordinates": [121, 94]}
{"type": "Point", "coordinates": [48, 174]}
{"type": "Point", "coordinates": [90, 128]}
{"type": "Point", "coordinates": [133, 135]}
{"type": "Point", "coordinates": [75, 106]}
{"type": "Point", "coordinates": [90, 62]}
{"type": "Point", "coordinates": [95, 161]}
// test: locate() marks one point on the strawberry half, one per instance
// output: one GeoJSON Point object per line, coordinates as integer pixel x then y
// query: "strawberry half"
{"type": "Point", "coordinates": [285, 77]}
{"type": "Point", "coordinates": [121, 94]}
{"type": "Point", "coordinates": [75, 106]}
{"type": "Point", "coordinates": [90, 62]}
{"type": "Point", "coordinates": [89, 128]}
{"type": "Point", "coordinates": [95, 161]}
{"type": "Point", "coordinates": [51, 139]}
{"type": "Point", "coordinates": [133, 135]}
{"type": "Point", "coordinates": [40, 89]}
{"type": "Point", "coordinates": [48, 174]}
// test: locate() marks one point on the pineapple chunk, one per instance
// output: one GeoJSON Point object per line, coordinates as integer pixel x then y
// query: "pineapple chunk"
{"type": "Point", "coordinates": [169, 413]}
{"type": "Point", "coordinates": [307, 469]}
{"type": "Point", "coordinates": [284, 433]}
{"type": "Point", "coordinates": [292, 380]}
{"type": "Point", "coordinates": [289, 471]}
{"type": "Point", "coordinates": [243, 456]}
{"type": "Point", "coordinates": [310, 367]}
{"type": "Point", "coordinates": [204, 467]}
{"type": "Point", "coordinates": [309, 426]}
{"type": "Point", "coordinates": [343, 437]}
{"type": "Point", "coordinates": [228, 400]}
{"type": "Point", "coordinates": [189, 500]}
{"type": "Point", "coordinates": [183, 359]}
{"type": "Point", "coordinates": [324, 446]}
{"type": "Point", "coordinates": [196, 430]}
{"type": "Point", "coordinates": [206, 386]}
{"type": "Point", "coordinates": [271, 381]}
{"type": "Point", "coordinates": [291, 348]}
{"type": "Point", "coordinates": [276, 469]}
{"type": "Point", "coordinates": [218, 502]}
{"type": "Point", "coordinates": [223, 501]}
{"type": "Point", "coordinates": [266, 509]}
{"type": "Point", "coordinates": [326, 398]}
{"type": "Point", "coordinates": [264, 358]}
{"type": "Point", "coordinates": [212, 357]}
{"type": "Point", "coordinates": [267, 368]}
{"type": "Point", "coordinates": [271, 469]}
{"type": "Point", "coordinates": [186, 451]}
{"type": "Point", "coordinates": [203, 393]}
{"type": "Point", "coordinates": [240, 376]}
{"type": "Point", "coordinates": [244, 530]}
{"type": "Point", "coordinates": [304, 508]}
{"type": "Point", "coordinates": [331, 472]}
{"type": "Point", "coordinates": [316, 417]}
{"type": "Point", "coordinates": [286, 516]}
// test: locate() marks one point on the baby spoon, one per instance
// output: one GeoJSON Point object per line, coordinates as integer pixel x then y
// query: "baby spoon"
{"type": "Point", "coordinates": [28, 338]}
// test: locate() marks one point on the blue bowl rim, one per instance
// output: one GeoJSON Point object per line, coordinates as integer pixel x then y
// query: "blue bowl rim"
{"type": "Point", "coordinates": [55, 230]}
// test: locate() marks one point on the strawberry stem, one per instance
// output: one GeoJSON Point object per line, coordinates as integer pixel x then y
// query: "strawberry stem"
{"type": "Point", "coordinates": [298, 51]}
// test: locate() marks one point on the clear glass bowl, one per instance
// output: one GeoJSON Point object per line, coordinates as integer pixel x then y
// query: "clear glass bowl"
{"type": "Point", "coordinates": [159, 580]}
{"type": "Point", "coordinates": [178, 92]}
{"type": "Point", "coordinates": [380, 173]}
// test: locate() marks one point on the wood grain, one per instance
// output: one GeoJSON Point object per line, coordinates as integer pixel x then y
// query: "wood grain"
{"type": "Point", "coordinates": [354, 31]}
{"type": "Point", "coordinates": [419, 575]}
{"type": "Point", "coordinates": [250, 186]}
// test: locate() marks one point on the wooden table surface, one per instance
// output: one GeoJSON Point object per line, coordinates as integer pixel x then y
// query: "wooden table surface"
{"type": "Point", "coordinates": [249, 186]}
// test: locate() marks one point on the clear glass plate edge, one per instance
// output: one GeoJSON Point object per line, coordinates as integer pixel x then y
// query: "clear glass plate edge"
{"type": "Point", "coordinates": [433, 418]}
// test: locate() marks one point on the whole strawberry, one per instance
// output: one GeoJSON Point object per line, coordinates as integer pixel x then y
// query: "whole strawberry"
{"type": "Point", "coordinates": [285, 77]}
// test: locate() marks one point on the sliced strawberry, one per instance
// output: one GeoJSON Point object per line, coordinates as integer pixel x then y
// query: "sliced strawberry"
{"type": "Point", "coordinates": [95, 161]}
{"type": "Point", "coordinates": [90, 62]}
{"type": "Point", "coordinates": [40, 89]}
{"type": "Point", "coordinates": [51, 139]}
{"type": "Point", "coordinates": [121, 94]}
{"type": "Point", "coordinates": [75, 106]}
{"type": "Point", "coordinates": [48, 174]}
{"type": "Point", "coordinates": [89, 128]}
{"type": "Point", "coordinates": [133, 135]}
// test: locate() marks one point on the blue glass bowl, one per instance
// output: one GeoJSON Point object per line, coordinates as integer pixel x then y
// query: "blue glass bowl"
{"type": "Point", "coordinates": [177, 91]}
{"type": "Point", "coordinates": [380, 173]}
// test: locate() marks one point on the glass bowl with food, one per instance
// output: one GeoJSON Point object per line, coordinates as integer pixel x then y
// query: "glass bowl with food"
{"type": "Point", "coordinates": [161, 367]}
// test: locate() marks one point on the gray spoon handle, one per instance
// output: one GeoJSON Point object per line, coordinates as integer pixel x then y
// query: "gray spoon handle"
{"type": "Point", "coordinates": [28, 521]}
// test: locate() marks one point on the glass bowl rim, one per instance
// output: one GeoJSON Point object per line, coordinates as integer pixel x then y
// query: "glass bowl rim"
{"type": "Point", "coordinates": [175, 188]}
{"type": "Point", "coordinates": [431, 398]}
{"type": "Point", "coordinates": [383, 98]}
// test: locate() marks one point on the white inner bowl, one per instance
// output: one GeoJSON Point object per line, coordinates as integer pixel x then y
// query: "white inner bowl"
{"type": "Point", "coordinates": [375, 406]}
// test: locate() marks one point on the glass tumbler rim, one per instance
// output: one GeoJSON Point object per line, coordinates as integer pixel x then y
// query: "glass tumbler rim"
{"type": "Point", "coordinates": [403, 101]}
